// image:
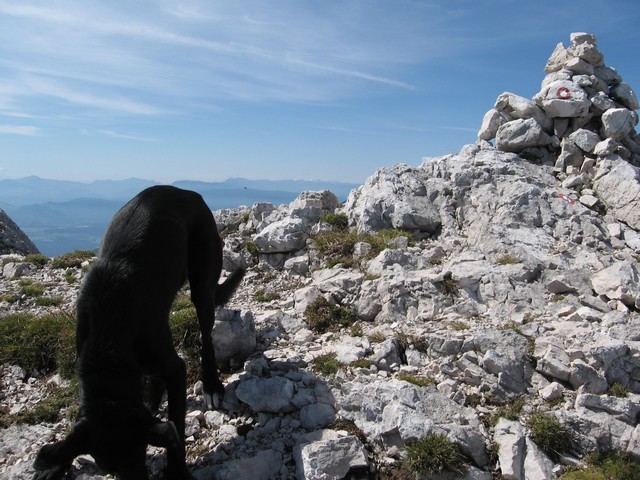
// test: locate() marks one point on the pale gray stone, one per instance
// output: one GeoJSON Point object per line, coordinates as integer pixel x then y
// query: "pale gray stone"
{"type": "Point", "coordinates": [234, 336]}
{"type": "Point", "coordinates": [625, 95]}
{"type": "Point", "coordinates": [537, 465]}
{"type": "Point", "coordinates": [399, 197]}
{"type": "Point", "coordinates": [585, 139]}
{"type": "Point", "coordinates": [491, 121]}
{"type": "Point", "coordinates": [265, 465]}
{"type": "Point", "coordinates": [619, 189]}
{"type": "Point", "coordinates": [519, 134]}
{"type": "Point", "coordinates": [620, 281]}
{"type": "Point", "coordinates": [618, 122]}
{"type": "Point", "coordinates": [317, 415]}
{"type": "Point", "coordinates": [558, 59]}
{"type": "Point", "coordinates": [563, 99]}
{"type": "Point", "coordinates": [329, 459]}
{"type": "Point", "coordinates": [585, 376]}
{"type": "Point", "coordinates": [552, 392]}
{"type": "Point", "coordinates": [514, 107]}
{"type": "Point", "coordinates": [273, 394]}
{"type": "Point", "coordinates": [287, 235]}
{"type": "Point", "coordinates": [310, 206]}
{"type": "Point", "coordinates": [509, 435]}
{"type": "Point", "coordinates": [623, 409]}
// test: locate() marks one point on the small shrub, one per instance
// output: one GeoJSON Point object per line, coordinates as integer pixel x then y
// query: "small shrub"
{"type": "Point", "coordinates": [54, 301]}
{"type": "Point", "coordinates": [434, 454]}
{"type": "Point", "coordinates": [605, 466]}
{"type": "Point", "coordinates": [356, 330]}
{"type": "Point", "coordinates": [326, 364]}
{"type": "Point", "coordinates": [618, 390]}
{"type": "Point", "coordinates": [361, 363]}
{"type": "Point", "coordinates": [181, 302]}
{"type": "Point", "coordinates": [33, 290]}
{"type": "Point", "coordinates": [337, 246]}
{"type": "Point", "coordinates": [45, 343]}
{"type": "Point", "coordinates": [9, 297]}
{"type": "Point", "coordinates": [73, 259]}
{"type": "Point", "coordinates": [348, 426]}
{"type": "Point", "coordinates": [416, 379]}
{"type": "Point", "coordinates": [338, 221]}
{"type": "Point", "coordinates": [264, 296]}
{"type": "Point", "coordinates": [549, 434]}
{"type": "Point", "coordinates": [8, 260]}
{"type": "Point", "coordinates": [185, 331]}
{"type": "Point", "coordinates": [324, 316]}
{"type": "Point", "coordinates": [37, 259]}
{"type": "Point", "coordinates": [69, 277]}
{"type": "Point", "coordinates": [510, 411]}
{"type": "Point", "coordinates": [377, 337]}
{"type": "Point", "coordinates": [458, 325]}
{"type": "Point", "coordinates": [508, 260]}
{"type": "Point", "coordinates": [436, 260]}
{"type": "Point", "coordinates": [50, 409]}
{"type": "Point", "coordinates": [250, 247]}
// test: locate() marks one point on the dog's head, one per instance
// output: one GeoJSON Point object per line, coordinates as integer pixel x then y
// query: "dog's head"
{"type": "Point", "coordinates": [115, 436]}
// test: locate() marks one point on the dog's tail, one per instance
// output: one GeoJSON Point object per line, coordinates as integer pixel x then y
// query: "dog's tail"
{"type": "Point", "coordinates": [225, 290]}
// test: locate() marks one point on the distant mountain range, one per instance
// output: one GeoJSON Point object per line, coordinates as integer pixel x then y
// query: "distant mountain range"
{"type": "Point", "coordinates": [61, 216]}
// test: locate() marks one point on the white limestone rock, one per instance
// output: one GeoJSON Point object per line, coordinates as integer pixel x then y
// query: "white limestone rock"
{"type": "Point", "coordinates": [624, 94]}
{"type": "Point", "coordinates": [618, 122]}
{"type": "Point", "coordinates": [620, 281]}
{"type": "Point", "coordinates": [563, 99]}
{"type": "Point", "coordinates": [491, 121]}
{"type": "Point", "coordinates": [329, 459]}
{"type": "Point", "coordinates": [234, 336]}
{"type": "Point", "coordinates": [513, 107]}
{"type": "Point", "coordinates": [519, 134]}
{"type": "Point", "coordinates": [619, 189]}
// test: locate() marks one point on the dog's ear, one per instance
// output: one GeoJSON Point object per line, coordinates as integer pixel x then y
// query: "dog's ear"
{"type": "Point", "coordinates": [59, 455]}
{"type": "Point", "coordinates": [163, 434]}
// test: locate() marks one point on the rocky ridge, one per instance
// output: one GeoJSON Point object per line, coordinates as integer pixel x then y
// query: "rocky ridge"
{"type": "Point", "coordinates": [12, 238]}
{"type": "Point", "coordinates": [510, 282]}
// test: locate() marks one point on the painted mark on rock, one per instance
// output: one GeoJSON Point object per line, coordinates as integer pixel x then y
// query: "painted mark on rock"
{"type": "Point", "coordinates": [567, 198]}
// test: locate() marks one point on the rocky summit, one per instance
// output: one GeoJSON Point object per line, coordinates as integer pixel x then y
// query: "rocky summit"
{"type": "Point", "coordinates": [475, 297]}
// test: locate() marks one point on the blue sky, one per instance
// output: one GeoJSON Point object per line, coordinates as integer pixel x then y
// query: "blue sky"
{"type": "Point", "coordinates": [280, 89]}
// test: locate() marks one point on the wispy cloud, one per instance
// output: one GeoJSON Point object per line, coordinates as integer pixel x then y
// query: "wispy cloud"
{"type": "Point", "coordinates": [22, 130]}
{"type": "Point", "coordinates": [137, 138]}
{"type": "Point", "coordinates": [156, 57]}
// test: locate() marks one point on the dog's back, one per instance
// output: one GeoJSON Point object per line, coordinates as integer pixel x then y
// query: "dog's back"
{"type": "Point", "coordinates": [151, 245]}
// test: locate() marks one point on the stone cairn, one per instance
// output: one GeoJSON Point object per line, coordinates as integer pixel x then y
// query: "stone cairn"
{"type": "Point", "coordinates": [583, 114]}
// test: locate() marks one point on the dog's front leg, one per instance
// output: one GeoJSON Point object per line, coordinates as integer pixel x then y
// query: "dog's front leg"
{"type": "Point", "coordinates": [176, 382]}
{"type": "Point", "coordinates": [203, 299]}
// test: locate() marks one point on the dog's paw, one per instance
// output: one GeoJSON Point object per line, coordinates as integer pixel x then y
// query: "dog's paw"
{"type": "Point", "coordinates": [213, 394]}
{"type": "Point", "coordinates": [55, 473]}
{"type": "Point", "coordinates": [213, 400]}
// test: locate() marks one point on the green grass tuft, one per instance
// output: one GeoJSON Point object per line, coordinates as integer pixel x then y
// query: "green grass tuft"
{"type": "Point", "coordinates": [434, 454]}
{"type": "Point", "coordinates": [549, 434]}
{"type": "Point", "coordinates": [323, 316]}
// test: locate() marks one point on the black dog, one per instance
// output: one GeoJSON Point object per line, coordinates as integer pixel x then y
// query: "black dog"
{"type": "Point", "coordinates": [156, 242]}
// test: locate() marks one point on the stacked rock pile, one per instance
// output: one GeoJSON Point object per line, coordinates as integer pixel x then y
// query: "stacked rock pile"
{"type": "Point", "coordinates": [584, 113]}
